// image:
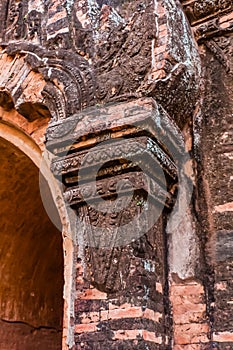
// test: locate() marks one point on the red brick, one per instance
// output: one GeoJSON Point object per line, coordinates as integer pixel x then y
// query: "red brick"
{"type": "Point", "coordinates": [191, 333]}
{"type": "Point", "coordinates": [133, 312]}
{"type": "Point", "coordinates": [85, 328]}
{"type": "Point", "coordinates": [223, 337]}
{"type": "Point", "coordinates": [93, 294]}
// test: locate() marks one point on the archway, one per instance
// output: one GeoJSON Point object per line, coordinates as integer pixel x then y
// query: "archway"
{"type": "Point", "coordinates": [31, 259]}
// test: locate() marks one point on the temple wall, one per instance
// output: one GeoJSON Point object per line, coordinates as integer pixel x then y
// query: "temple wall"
{"type": "Point", "coordinates": [215, 149]}
{"type": "Point", "coordinates": [151, 81]}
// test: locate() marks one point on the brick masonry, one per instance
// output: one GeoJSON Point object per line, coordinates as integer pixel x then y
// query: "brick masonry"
{"type": "Point", "coordinates": [60, 57]}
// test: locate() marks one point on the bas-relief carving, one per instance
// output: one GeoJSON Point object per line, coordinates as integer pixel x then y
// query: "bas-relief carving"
{"type": "Point", "coordinates": [107, 188]}
{"type": "Point", "coordinates": [73, 82]}
{"type": "Point", "coordinates": [69, 82]}
{"type": "Point", "coordinates": [212, 26]}
{"type": "Point", "coordinates": [84, 77]}
{"type": "Point", "coordinates": [213, 31]}
{"type": "Point", "coordinates": [121, 45]}
{"type": "Point", "coordinates": [15, 24]}
{"type": "Point", "coordinates": [100, 155]}
{"type": "Point", "coordinates": [202, 11]}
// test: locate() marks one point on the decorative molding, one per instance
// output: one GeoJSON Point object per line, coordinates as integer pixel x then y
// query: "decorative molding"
{"type": "Point", "coordinates": [138, 149]}
{"type": "Point", "coordinates": [202, 11]}
{"type": "Point", "coordinates": [209, 18]}
{"type": "Point", "coordinates": [107, 189]}
{"type": "Point", "coordinates": [219, 54]}
{"type": "Point", "coordinates": [212, 20]}
{"type": "Point", "coordinates": [68, 81]}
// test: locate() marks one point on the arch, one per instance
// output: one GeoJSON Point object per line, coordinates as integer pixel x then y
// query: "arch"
{"type": "Point", "coordinates": [21, 141]}
{"type": "Point", "coordinates": [43, 84]}
{"type": "Point", "coordinates": [16, 136]}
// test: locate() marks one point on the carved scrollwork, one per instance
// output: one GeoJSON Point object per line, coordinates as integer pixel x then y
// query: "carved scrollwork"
{"type": "Point", "coordinates": [56, 130]}
{"type": "Point", "coordinates": [69, 84]}
{"type": "Point", "coordinates": [108, 188]}
{"type": "Point", "coordinates": [114, 54]}
{"type": "Point", "coordinates": [138, 149]}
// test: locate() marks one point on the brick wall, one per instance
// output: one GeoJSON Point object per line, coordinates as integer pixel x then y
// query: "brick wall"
{"type": "Point", "coordinates": [146, 303]}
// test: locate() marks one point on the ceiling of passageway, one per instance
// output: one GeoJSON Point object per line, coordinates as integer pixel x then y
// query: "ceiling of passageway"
{"type": "Point", "coordinates": [31, 259]}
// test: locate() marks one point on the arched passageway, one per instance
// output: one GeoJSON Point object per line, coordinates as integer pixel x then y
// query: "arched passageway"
{"type": "Point", "coordinates": [31, 259]}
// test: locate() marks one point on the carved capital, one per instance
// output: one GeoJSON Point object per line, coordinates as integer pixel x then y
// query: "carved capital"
{"type": "Point", "coordinates": [122, 150]}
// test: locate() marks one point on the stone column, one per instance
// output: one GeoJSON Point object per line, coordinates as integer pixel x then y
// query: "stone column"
{"type": "Point", "coordinates": [118, 172]}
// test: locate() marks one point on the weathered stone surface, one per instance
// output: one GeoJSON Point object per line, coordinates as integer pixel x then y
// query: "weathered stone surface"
{"type": "Point", "coordinates": [100, 45]}
{"type": "Point", "coordinates": [214, 150]}
{"type": "Point", "coordinates": [96, 70]}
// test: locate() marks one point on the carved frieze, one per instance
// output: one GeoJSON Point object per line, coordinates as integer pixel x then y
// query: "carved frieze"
{"type": "Point", "coordinates": [119, 163]}
{"type": "Point", "coordinates": [209, 18]}
{"type": "Point", "coordinates": [109, 188]}
{"type": "Point", "coordinates": [212, 22]}
{"type": "Point", "coordinates": [139, 115]}
{"type": "Point", "coordinates": [15, 23]}
{"type": "Point", "coordinates": [202, 11]}
{"type": "Point", "coordinates": [138, 149]}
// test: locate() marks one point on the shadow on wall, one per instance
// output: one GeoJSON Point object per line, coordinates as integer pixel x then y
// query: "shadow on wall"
{"type": "Point", "coordinates": [31, 259]}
